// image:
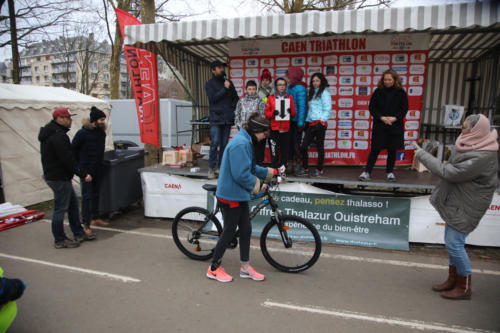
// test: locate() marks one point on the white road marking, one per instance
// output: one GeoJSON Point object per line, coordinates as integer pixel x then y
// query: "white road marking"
{"type": "Point", "coordinates": [123, 231]}
{"type": "Point", "coordinates": [412, 324]}
{"type": "Point", "coordinates": [121, 278]}
{"type": "Point", "coordinates": [323, 255]}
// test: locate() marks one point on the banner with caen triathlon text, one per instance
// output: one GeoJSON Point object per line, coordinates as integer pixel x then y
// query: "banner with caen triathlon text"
{"type": "Point", "coordinates": [343, 219]}
{"type": "Point", "coordinates": [144, 78]}
{"type": "Point", "coordinates": [353, 66]}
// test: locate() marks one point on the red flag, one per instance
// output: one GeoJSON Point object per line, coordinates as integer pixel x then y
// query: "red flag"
{"type": "Point", "coordinates": [144, 78]}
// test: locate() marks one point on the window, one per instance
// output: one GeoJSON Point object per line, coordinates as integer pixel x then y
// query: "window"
{"type": "Point", "coordinates": [93, 76]}
{"type": "Point", "coordinates": [37, 58]}
{"type": "Point", "coordinates": [93, 65]}
{"type": "Point", "coordinates": [105, 77]}
{"type": "Point", "coordinates": [46, 68]}
{"type": "Point", "coordinates": [37, 79]}
{"type": "Point", "coordinates": [174, 92]}
{"type": "Point", "coordinates": [46, 77]}
{"type": "Point", "coordinates": [105, 67]}
{"type": "Point", "coordinates": [47, 58]}
{"type": "Point", "coordinates": [36, 69]}
{"type": "Point", "coordinates": [106, 86]}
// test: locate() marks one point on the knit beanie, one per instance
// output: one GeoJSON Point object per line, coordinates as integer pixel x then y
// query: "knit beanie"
{"type": "Point", "coordinates": [295, 74]}
{"type": "Point", "coordinates": [96, 114]}
{"type": "Point", "coordinates": [266, 74]}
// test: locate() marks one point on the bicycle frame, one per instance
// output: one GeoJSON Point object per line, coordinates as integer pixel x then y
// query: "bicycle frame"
{"type": "Point", "coordinates": [275, 217]}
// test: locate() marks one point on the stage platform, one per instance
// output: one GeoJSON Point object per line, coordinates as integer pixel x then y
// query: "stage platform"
{"type": "Point", "coordinates": [340, 177]}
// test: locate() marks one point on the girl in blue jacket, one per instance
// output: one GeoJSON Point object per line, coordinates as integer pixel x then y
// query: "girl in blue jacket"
{"type": "Point", "coordinates": [239, 177]}
{"type": "Point", "coordinates": [320, 108]}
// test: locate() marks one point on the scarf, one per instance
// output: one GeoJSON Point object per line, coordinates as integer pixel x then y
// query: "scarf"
{"type": "Point", "coordinates": [479, 138]}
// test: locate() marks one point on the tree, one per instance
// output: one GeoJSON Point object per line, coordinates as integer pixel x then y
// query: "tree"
{"type": "Point", "coordinates": [299, 6]}
{"type": "Point", "coordinates": [148, 11]}
{"type": "Point", "coordinates": [32, 21]}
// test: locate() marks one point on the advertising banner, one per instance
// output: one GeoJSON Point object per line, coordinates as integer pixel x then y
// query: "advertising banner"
{"type": "Point", "coordinates": [353, 65]}
{"type": "Point", "coordinates": [144, 77]}
{"type": "Point", "coordinates": [343, 219]}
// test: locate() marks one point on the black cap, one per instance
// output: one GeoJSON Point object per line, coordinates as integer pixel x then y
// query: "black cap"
{"type": "Point", "coordinates": [217, 63]}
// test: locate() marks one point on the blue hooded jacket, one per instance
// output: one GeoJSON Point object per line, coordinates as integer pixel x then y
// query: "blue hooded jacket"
{"type": "Point", "coordinates": [299, 94]}
{"type": "Point", "coordinates": [239, 175]}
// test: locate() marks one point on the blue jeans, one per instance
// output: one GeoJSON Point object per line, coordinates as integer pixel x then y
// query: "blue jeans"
{"type": "Point", "coordinates": [64, 201]}
{"type": "Point", "coordinates": [90, 199]}
{"type": "Point", "coordinates": [455, 245]}
{"type": "Point", "coordinates": [219, 134]}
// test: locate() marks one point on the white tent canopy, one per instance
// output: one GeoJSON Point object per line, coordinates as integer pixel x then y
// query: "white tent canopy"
{"type": "Point", "coordinates": [23, 110]}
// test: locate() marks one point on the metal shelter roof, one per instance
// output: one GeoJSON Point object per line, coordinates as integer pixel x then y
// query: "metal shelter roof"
{"type": "Point", "coordinates": [462, 32]}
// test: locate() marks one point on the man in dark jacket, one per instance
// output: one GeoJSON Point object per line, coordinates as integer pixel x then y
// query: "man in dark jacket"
{"type": "Point", "coordinates": [59, 166]}
{"type": "Point", "coordinates": [88, 147]}
{"type": "Point", "coordinates": [222, 98]}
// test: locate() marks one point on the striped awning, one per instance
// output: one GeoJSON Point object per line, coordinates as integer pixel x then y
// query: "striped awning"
{"type": "Point", "coordinates": [207, 38]}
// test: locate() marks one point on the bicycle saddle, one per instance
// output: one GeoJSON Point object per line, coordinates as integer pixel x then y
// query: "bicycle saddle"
{"type": "Point", "coordinates": [210, 187]}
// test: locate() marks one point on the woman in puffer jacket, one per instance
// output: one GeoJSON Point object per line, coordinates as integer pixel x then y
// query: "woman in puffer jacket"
{"type": "Point", "coordinates": [463, 195]}
{"type": "Point", "coordinates": [298, 90]}
{"type": "Point", "coordinates": [320, 108]}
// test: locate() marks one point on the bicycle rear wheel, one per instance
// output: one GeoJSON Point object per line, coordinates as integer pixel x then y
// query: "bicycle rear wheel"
{"type": "Point", "coordinates": [195, 233]}
{"type": "Point", "coordinates": [295, 248]}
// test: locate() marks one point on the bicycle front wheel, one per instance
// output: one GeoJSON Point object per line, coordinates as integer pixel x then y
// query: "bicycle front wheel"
{"type": "Point", "coordinates": [196, 232]}
{"type": "Point", "coordinates": [295, 248]}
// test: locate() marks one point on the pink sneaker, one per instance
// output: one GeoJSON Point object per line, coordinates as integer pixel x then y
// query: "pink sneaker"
{"type": "Point", "coordinates": [252, 274]}
{"type": "Point", "coordinates": [219, 274]}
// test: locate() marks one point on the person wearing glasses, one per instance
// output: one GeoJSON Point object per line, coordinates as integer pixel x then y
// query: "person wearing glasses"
{"type": "Point", "coordinates": [280, 109]}
{"type": "Point", "coordinates": [466, 186]}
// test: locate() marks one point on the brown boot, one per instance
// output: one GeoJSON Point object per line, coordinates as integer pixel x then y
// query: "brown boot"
{"type": "Point", "coordinates": [448, 284]}
{"type": "Point", "coordinates": [99, 222]}
{"type": "Point", "coordinates": [462, 288]}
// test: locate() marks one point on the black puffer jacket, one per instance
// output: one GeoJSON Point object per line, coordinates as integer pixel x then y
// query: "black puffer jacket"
{"type": "Point", "coordinates": [222, 101]}
{"type": "Point", "coordinates": [58, 161]}
{"type": "Point", "coordinates": [88, 147]}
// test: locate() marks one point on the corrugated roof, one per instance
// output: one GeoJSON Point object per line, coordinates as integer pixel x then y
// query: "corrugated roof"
{"type": "Point", "coordinates": [460, 32]}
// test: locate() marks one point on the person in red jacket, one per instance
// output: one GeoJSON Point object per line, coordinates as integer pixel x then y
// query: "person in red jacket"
{"type": "Point", "coordinates": [280, 109]}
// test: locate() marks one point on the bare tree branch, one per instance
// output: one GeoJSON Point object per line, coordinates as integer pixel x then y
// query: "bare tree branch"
{"type": "Point", "coordinates": [299, 6]}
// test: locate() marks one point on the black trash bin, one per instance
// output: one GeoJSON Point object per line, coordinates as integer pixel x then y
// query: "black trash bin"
{"type": "Point", "coordinates": [121, 182]}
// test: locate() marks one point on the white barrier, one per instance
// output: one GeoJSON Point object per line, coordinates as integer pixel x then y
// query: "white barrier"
{"type": "Point", "coordinates": [165, 195]}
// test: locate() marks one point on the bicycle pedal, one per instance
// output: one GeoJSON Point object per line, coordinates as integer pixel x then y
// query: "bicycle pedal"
{"type": "Point", "coordinates": [233, 244]}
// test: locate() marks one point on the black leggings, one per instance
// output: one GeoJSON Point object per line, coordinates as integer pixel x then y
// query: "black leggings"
{"type": "Point", "coordinates": [317, 131]}
{"type": "Point", "coordinates": [234, 217]}
{"type": "Point", "coordinates": [279, 142]}
{"type": "Point", "coordinates": [372, 159]}
{"type": "Point", "coordinates": [260, 151]}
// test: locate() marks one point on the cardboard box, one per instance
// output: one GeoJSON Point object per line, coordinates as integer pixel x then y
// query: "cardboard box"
{"type": "Point", "coordinates": [186, 155]}
{"type": "Point", "coordinates": [170, 157]}
{"type": "Point", "coordinates": [196, 147]}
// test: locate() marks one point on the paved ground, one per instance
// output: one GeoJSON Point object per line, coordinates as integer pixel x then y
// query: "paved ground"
{"type": "Point", "coordinates": [133, 279]}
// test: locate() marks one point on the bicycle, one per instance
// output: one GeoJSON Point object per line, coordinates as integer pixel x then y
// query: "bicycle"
{"type": "Point", "coordinates": [289, 243]}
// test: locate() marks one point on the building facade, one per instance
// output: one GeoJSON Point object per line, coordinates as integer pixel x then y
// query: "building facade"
{"type": "Point", "coordinates": [77, 63]}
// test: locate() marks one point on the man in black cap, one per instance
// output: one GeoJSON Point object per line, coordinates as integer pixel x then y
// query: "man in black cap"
{"type": "Point", "coordinates": [222, 98]}
{"type": "Point", "coordinates": [59, 166]}
{"type": "Point", "coordinates": [88, 146]}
